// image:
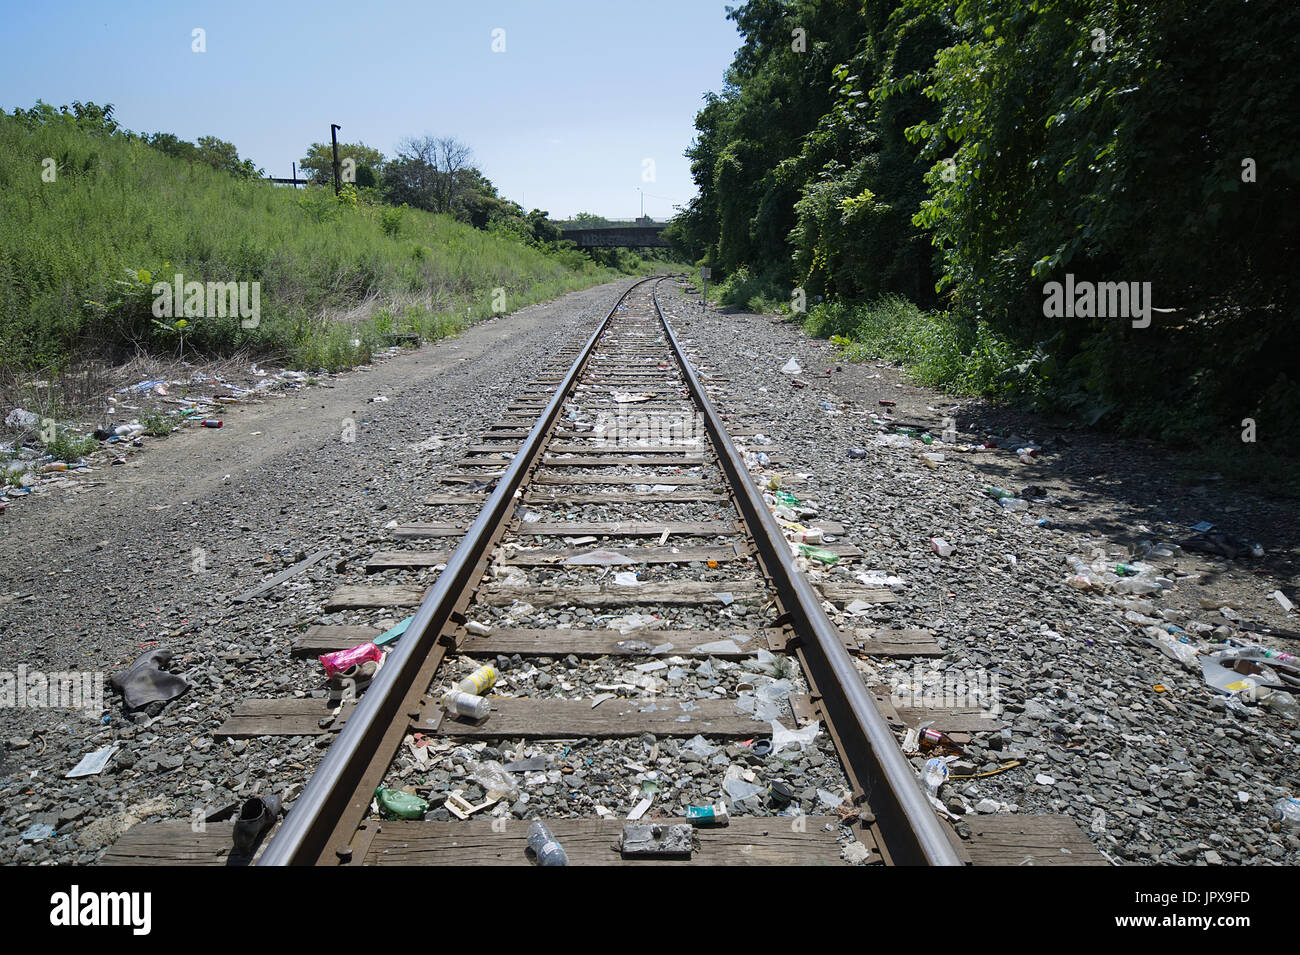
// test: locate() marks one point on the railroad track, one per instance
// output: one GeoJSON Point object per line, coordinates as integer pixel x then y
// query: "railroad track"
{"type": "Point", "coordinates": [617, 516]}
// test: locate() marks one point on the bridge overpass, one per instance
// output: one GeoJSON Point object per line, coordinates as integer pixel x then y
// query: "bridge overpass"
{"type": "Point", "coordinates": [641, 234]}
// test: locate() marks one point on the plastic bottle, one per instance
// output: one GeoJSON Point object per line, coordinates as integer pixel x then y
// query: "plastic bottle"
{"type": "Point", "coordinates": [1287, 810]}
{"type": "Point", "coordinates": [466, 704]}
{"type": "Point", "coordinates": [996, 492]}
{"type": "Point", "coordinates": [1013, 503]}
{"type": "Point", "coordinates": [818, 553]}
{"type": "Point", "coordinates": [1282, 703]}
{"type": "Point", "coordinates": [544, 846]}
{"type": "Point", "coordinates": [478, 682]}
{"type": "Point", "coordinates": [211, 423]}
{"type": "Point", "coordinates": [1137, 586]}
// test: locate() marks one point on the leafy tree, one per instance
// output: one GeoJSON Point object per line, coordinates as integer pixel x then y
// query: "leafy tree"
{"type": "Point", "coordinates": [318, 164]}
{"type": "Point", "coordinates": [430, 173]}
{"type": "Point", "coordinates": [88, 117]}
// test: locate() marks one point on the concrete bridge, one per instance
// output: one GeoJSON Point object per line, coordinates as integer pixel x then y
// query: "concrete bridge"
{"type": "Point", "coordinates": [634, 235]}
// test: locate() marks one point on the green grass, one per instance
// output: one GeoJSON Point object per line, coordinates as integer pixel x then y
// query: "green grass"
{"type": "Point", "coordinates": [962, 357]}
{"type": "Point", "coordinates": [937, 348]}
{"type": "Point", "coordinates": [78, 257]}
{"type": "Point", "coordinates": [748, 291]}
{"type": "Point", "coordinates": [69, 446]}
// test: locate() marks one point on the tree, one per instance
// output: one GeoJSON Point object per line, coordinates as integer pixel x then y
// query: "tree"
{"type": "Point", "coordinates": [429, 173]}
{"type": "Point", "coordinates": [222, 155]}
{"type": "Point", "coordinates": [318, 164]}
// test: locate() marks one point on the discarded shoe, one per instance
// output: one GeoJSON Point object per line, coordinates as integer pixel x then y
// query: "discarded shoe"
{"type": "Point", "coordinates": [351, 683]}
{"type": "Point", "coordinates": [255, 818]}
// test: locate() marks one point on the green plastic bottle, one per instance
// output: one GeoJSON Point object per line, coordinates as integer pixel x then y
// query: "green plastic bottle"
{"type": "Point", "coordinates": [818, 553]}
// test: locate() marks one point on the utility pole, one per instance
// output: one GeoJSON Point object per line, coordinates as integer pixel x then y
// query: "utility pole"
{"type": "Point", "coordinates": [334, 138]}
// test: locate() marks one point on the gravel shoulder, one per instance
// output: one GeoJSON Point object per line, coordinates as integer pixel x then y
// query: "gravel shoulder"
{"type": "Point", "coordinates": [1138, 749]}
{"type": "Point", "coordinates": [149, 554]}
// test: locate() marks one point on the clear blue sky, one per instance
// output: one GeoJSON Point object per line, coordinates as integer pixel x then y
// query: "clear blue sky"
{"type": "Point", "coordinates": [585, 91]}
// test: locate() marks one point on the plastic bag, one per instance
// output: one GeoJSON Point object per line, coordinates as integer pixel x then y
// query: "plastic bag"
{"type": "Point", "coordinates": [791, 367]}
{"type": "Point", "coordinates": [737, 788]}
{"type": "Point", "coordinates": [1184, 653]}
{"type": "Point", "coordinates": [700, 747]}
{"type": "Point", "coordinates": [492, 776]}
{"type": "Point", "coordinates": [341, 660]}
{"type": "Point", "coordinates": [783, 738]}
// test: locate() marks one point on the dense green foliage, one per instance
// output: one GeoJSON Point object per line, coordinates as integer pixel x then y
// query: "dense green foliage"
{"type": "Point", "coordinates": [964, 155]}
{"type": "Point", "coordinates": [94, 217]}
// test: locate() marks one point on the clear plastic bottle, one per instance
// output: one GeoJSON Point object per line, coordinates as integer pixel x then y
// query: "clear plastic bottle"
{"type": "Point", "coordinates": [466, 704]}
{"type": "Point", "coordinates": [544, 846]}
{"type": "Point", "coordinates": [1287, 810]}
{"type": "Point", "coordinates": [1282, 703]}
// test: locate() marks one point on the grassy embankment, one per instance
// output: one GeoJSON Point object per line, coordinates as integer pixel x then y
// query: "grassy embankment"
{"type": "Point", "coordinates": [79, 257]}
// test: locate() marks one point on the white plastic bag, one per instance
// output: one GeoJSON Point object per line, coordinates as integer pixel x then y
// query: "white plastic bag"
{"type": "Point", "coordinates": [782, 737]}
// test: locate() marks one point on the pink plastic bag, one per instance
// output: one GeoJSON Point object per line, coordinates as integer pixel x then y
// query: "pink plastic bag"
{"type": "Point", "coordinates": [340, 660]}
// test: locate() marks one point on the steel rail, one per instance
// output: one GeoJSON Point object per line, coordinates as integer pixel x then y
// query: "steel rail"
{"type": "Point", "coordinates": [912, 832]}
{"type": "Point", "coordinates": [304, 836]}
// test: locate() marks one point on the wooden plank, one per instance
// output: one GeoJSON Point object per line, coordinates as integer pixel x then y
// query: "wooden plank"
{"type": "Point", "coordinates": [473, 497]}
{"type": "Point", "coordinates": [417, 531]}
{"type": "Point", "coordinates": [291, 716]}
{"type": "Point", "coordinates": [394, 559]}
{"type": "Point", "coordinates": [497, 448]}
{"type": "Point", "coordinates": [1030, 839]}
{"type": "Point", "coordinates": [621, 461]}
{"type": "Point", "coordinates": [673, 593]}
{"type": "Point", "coordinates": [626, 529]}
{"type": "Point", "coordinates": [895, 643]}
{"type": "Point", "coordinates": [844, 594]}
{"type": "Point", "coordinates": [628, 497]}
{"type": "Point", "coordinates": [516, 717]}
{"type": "Point", "coordinates": [614, 479]}
{"type": "Point", "coordinates": [174, 843]}
{"type": "Point", "coordinates": [485, 461]}
{"type": "Point", "coordinates": [951, 719]}
{"type": "Point", "coordinates": [358, 596]}
{"type": "Point", "coordinates": [282, 576]}
{"type": "Point", "coordinates": [599, 643]}
{"type": "Point", "coordinates": [469, 477]}
{"type": "Point", "coordinates": [638, 554]}
{"type": "Point", "coordinates": [946, 719]}
{"type": "Point", "coordinates": [320, 639]}
{"type": "Point", "coordinates": [722, 553]}
{"type": "Point", "coordinates": [595, 444]}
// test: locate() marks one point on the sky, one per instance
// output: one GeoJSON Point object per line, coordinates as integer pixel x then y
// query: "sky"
{"type": "Point", "coordinates": [589, 101]}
